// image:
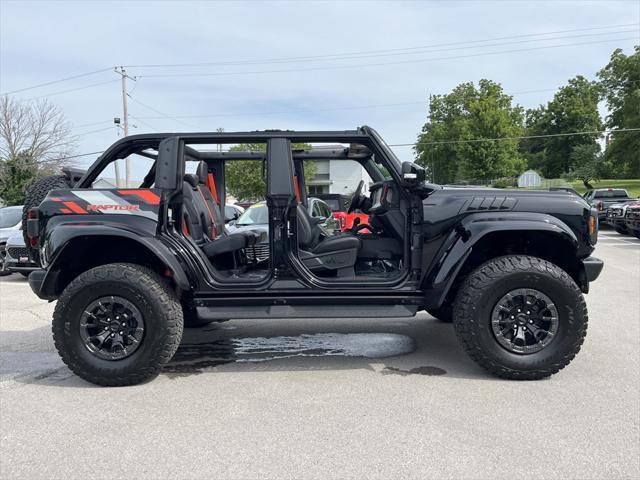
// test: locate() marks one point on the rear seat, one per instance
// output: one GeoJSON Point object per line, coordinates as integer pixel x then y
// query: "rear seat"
{"type": "Point", "coordinates": [204, 222]}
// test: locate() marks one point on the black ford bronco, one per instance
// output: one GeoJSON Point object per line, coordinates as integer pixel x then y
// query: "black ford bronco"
{"type": "Point", "coordinates": [130, 265]}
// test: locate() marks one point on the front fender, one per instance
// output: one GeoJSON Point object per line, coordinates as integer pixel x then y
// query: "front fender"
{"type": "Point", "coordinates": [459, 244]}
{"type": "Point", "coordinates": [59, 241]}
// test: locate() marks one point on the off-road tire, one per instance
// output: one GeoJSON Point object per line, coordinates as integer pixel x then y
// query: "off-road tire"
{"type": "Point", "coordinates": [444, 313]}
{"type": "Point", "coordinates": [158, 305]}
{"type": "Point", "coordinates": [487, 284]}
{"type": "Point", "coordinates": [622, 230]}
{"type": "Point", "coordinates": [35, 194]}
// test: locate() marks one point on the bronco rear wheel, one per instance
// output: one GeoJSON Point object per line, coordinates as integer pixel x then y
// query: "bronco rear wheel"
{"type": "Point", "coordinates": [117, 324]}
{"type": "Point", "coordinates": [520, 317]}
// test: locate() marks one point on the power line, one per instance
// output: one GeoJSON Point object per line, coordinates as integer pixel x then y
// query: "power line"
{"type": "Point", "coordinates": [352, 107]}
{"type": "Point", "coordinates": [82, 134]}
{"type": "Point", "coordinates": [399, 51]}
{"type": "Point", "coordinates": [399, 62]}
{"type": "Point", "coordinates": [72, 89]}
{"type": "Point", "coordinates": [145, 123]}
{"type": "Point", "coordinates": [159, 112]}
{"type": "Point", "coordinates": [525, 137]}
{"type": "Point", "coordinates": [73, 77]}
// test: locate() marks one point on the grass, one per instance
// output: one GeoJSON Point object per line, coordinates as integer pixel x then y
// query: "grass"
{"type": "Point", "coordinates": [630, 185]}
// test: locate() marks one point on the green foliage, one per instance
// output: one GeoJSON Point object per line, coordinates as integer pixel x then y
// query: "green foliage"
{"type": "Point", "coordinates": [244, 178]}
{"type": "Point", "coordinates": [574, 108]}
{"type": "Point", "coordinates": [506, 182]}
{"type": "Point", "coordinates": [447, 146]}
{"type": "Point", "coordinates": [620, 82]}
{"type": "Point", "coordinates": [16, 174]}
{"type": "Point", "coordinates": [588, 160]}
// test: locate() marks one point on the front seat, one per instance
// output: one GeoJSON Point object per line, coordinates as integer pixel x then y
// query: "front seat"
{"type": "Point", "coordinates": [203, 224]}
{"type": "Point", "coordinates": [337, 253]}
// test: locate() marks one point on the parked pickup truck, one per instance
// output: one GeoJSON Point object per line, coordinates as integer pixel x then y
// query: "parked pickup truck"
{"type": "Point", "coordinates": [129, 266]}
{"type": "Point", "coordinates": [632, 219]}
{"type": "Point", "coordinates": [616, 215]}
{"type": "Point", "coordinates": [603, 198]}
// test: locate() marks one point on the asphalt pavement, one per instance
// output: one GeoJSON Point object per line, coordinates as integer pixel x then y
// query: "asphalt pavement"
{"type": "Point", "coordinates": [392, 398]}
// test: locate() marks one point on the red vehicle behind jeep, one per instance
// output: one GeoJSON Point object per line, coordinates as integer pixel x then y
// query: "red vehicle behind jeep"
{"type": "Point", "coordinates": [339, 205]}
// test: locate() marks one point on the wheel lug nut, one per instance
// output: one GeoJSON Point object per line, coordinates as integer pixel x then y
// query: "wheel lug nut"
{"type": "Point", "coordinates": [106, 328]}
{"type": "Point", "coordinates": [113, 334]}
{"type": "Point", "coordinates": [120, 332]}
{"type": "Point", "coordinates": [530, 321]}
{"type": "Point", "coordinates": [123, 324]}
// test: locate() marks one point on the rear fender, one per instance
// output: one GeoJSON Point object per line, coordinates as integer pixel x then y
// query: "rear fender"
{"type": "Point", "coordinates": [458, 246]}
{"type": "Point", "coordinates": [62, 243]}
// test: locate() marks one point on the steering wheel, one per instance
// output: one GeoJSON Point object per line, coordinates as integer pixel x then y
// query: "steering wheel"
{"type": "Point", "coordinates": [356, 195]}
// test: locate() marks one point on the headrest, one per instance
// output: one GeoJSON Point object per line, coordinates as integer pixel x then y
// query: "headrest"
{"type": "Point", "coordinates": [192, 180]}
{"type": "Point", "coordinates": [202, 171]}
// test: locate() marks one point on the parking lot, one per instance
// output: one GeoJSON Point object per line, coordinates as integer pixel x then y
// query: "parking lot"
{"type": "Point", "coordinates": [323, 399]}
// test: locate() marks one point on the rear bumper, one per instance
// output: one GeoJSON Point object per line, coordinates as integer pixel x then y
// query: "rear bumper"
{"type": "Point", "coordinates": [592, 268]}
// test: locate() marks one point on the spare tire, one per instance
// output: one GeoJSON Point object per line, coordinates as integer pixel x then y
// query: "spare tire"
{"type": "Point", "coordinates": [36, 193]}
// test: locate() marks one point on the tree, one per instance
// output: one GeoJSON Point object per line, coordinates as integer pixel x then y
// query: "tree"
{"type": "Point", "coordinates": [16, 174]}
{"type": "Point", "coordinates": [588, 159]}
{"type": "Point", "coordinates": [620, 83]}
{"type": "Point", "coordinates": [34, 140]}
{"type": "Point", "coordinates": [243, 178]}
{"type": "Point", "coordinates": [451, 146]}
{"type": "Point", "coordinates": [574, 108]}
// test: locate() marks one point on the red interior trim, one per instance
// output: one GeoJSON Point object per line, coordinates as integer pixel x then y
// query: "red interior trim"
{"type": "Point", "coordinates": [213, 219]}
{"type": "Point", "coordinates": [296, 186]}
{"type": "Point", "coordinates": [211, 185]}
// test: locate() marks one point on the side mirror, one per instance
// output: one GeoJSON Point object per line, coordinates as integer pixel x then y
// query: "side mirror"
{"type": "Point", "coordinates": [413, 174]}
{"type": "Point", "coordinates": [231, 223]}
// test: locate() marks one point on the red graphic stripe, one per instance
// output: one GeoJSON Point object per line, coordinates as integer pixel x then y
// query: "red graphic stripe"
{"type": "Point", "coordinates": [147, 195]}
{"type": "Point", "coordinates": [75, 208]}
{"type": "Point", "coordinates": [65, 210]}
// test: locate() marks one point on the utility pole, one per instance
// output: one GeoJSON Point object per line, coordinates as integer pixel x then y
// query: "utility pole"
{"type": "Point", "coordinates": [220, 130]}
{"type": "Point", "coordinates": [125, 124]}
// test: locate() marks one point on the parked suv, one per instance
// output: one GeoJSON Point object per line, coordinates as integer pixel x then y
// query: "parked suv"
{"type": "Point", "coordinates": [129, 266]}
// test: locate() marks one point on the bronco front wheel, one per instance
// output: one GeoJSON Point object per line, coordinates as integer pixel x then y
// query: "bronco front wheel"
{"type": "Point", "coordinates": [117, 324]}
{"type": "Point", "coordinates": [520, 317]}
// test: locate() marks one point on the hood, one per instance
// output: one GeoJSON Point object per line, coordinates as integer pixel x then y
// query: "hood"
{"type": "Point", "coordinates": [259, 227]}
{"type": "Point", "coordinates": [9, 232]}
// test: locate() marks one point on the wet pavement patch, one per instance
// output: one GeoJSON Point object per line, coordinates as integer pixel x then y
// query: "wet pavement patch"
{"type": "Point", "coordinates": [429, 371]}
{"type": "Point", "coordinates": [194, 358]}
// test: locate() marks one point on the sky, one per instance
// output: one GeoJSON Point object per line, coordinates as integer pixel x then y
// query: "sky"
{"type": "Point", "coordinates": [299, 65]}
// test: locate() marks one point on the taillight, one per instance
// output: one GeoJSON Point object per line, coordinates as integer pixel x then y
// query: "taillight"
{"type": "Point", "coordinates": [33, 226]}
